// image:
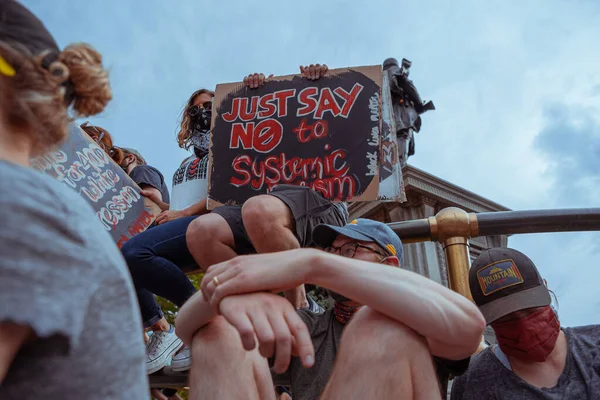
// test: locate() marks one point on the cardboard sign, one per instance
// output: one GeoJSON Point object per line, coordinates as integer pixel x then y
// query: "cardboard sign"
{"type": "Point", "coordinates": [84, 167]}
{"type": "Point", "coordinates": [324, 134]}
{"type": "Point", "coordinates": [391, 184]}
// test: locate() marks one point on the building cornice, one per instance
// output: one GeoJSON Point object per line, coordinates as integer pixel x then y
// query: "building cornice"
{"type": "Point", "coordinates": [431, 186]}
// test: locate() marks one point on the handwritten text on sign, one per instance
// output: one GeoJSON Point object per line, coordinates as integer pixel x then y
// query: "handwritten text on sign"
{"type": "Point", "coordinates": [322, 134]}
{"type": "Point", "coordinates": [86, 168]}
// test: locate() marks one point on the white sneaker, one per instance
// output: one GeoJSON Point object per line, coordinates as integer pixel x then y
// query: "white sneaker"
{"type": "Point", "coordinates": [161, 347]}
{"type": "Point", "coordinates": [182, 361]}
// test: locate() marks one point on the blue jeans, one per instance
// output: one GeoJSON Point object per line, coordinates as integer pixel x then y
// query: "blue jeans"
{"type": "Point", "coordinates": [157, 259]}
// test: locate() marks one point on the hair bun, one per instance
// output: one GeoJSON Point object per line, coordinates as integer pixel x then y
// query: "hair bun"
{"type": "Point", "coordinates": [89, 79]}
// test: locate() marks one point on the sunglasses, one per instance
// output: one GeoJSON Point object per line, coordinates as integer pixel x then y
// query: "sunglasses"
{"type": "Point", "coordinates": [195, 110]}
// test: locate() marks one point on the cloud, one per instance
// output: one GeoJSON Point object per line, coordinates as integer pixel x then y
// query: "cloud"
{"type": "Point", "coordinates": [570, 141]}
{"type": "Point", "coordinates": [509, 80]}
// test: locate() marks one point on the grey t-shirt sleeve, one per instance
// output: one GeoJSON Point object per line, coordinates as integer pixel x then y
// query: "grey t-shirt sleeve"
{"type": "Point", "coordinates": [39, 281]}
{"type": "Point", "coordinates": [145, 175]}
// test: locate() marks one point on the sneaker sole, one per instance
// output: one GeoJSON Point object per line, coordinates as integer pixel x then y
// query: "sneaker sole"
{"type": "Point", "coordinates": [181, 369]}
{"type": "Point", "coordinates": [178, 345]}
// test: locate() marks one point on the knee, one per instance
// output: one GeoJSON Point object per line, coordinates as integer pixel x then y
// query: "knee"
{"type": "Point", "coordinates": [218, 337]}
{"type": "Point", "coordinates": [205, 229]}
{"type": "Point", "coordinates": [134, 253]}
{"type": "Point", "coordinates": [263, 212]}
{"type": "Point", "coordinates": [387, 339]}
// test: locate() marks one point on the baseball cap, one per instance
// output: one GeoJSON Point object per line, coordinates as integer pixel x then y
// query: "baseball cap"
{"type": "Point", "coordinates": [135, 153]}
{"type": "Point", "coordinates": [503, 281]}
{"type": "Point", "coordinates": [365, 230]}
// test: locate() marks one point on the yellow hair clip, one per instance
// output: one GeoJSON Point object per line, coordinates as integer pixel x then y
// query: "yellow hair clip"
{"type": "Point", "coordinates": [6, 68]}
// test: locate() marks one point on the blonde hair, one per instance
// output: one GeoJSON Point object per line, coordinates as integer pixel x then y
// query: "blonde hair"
{"type": "Point", "coordinates": [183, 136]}
{"type": "Point", "coordinates": [35, 100]}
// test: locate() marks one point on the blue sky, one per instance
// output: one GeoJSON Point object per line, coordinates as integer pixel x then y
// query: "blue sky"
{"type": "Point", "coordinates": [516, 85]}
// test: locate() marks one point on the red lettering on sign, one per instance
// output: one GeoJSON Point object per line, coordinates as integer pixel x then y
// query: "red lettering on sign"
{"type": "Point", "coordinates": [282, 96]}
{"type": "Point", "coordinates": [267, 135]}
{"type": "Point", "coordinates": [306, 133]}
{"type": "Point", "coordinates": [349, 98]}
{"type": "Point", "coordinates": [241, 132]}
{"type": "Point", "coordinates": [263, 137]}
{"type": "Point", "coordinates": [233, 114]}
{"type": "Point", "coordinates": [268, 108]}
{"type": "Point", "coordinates": [244, 114]}
{"type": "Point", "coordinates": [238, 168]}
{"type": "Point", "coordinates": [306, 99]}
{"type": "Point", "coordinates": [327, 102]}
{"type": "Point", "coordinates": [278, 169]}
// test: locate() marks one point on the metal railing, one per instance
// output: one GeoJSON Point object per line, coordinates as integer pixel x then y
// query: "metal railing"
{"type": "Point", "coordinates": [453, 228]}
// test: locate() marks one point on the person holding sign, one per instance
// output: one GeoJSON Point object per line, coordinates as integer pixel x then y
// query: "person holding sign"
{"type": "Point", "coordinates": [392, 334]}
{"type": "Point", "coordinates": [280, 220]}
{"type": "Point", "coordinates": [158, 257]}
{"type": "Point", "coordinates": [69, 322]}
{"type": "Point", "coordinates": [145, 176]}
{"type": "Point", "coordinates": [103, 139]}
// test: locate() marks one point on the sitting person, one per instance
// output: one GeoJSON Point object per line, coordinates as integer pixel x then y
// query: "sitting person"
{"type": "Point", "coordinates": [386, 336]}
{"type": "Point", "coordinates": [148, 178]}
{"type": "Point", "coordinates": [293, 212]}
{"type": "Point", "coordinates": [104, 140]}
{"type": "Point", "coordinates": [69, 320]}
{"type": "Point", "coordinates": [158, 258]}
{"type": "Point", "coordinates": [535, 358]}
{"type": "Point", "coordinates": [145, 176]}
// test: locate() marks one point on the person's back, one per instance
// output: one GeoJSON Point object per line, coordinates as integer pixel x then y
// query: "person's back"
{"type": "Point", "coordinates": [62, 275]}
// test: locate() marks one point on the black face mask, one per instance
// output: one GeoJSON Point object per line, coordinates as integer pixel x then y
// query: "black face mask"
{"type": "Point", "coordinates": [200, 129]}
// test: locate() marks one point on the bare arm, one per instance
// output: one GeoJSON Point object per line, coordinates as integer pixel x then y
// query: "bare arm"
{"type": "Point", "coordinates": [451, 323]}
{"type": "Point", "coordinates": [12, 337]}
{"type": "Point", "coordinates": [155, 195]}
{"type": "Point", "coordinates": [197, 209]}
{"type": "Point", "coordinates": [193, 315]}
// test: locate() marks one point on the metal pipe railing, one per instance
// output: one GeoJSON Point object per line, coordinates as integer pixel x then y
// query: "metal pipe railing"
{"type": "Point", "coordinates": [453, 228]}
{"type": "Point", "coordinates": [509, 223]}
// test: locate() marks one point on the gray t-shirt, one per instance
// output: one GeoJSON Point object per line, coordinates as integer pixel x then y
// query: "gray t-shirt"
{"type": "Point", "coordinates": [488, 378]}
{"type": "Point", "coordinates": [61, 274]}
{"type": "Point", "coordinates": [326, 333]}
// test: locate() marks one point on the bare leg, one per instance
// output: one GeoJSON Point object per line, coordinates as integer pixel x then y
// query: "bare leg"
{"type": "Point", "coordinates": [380, 358]}
{"type": "Point", "coordinates": [271, 226]}
{"type": "Point", "coordinates": [222, 369]}
{"type": "Point", "coordinates": [161, 325]}
{"type": "Point", "coordinates": [210, 240]}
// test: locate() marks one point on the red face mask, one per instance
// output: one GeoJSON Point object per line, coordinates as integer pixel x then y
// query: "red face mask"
{"type": "Point", "coordinates": [531, 338]}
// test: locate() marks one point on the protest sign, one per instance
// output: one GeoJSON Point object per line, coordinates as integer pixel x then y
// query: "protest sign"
{"type": "Point", "coordinates": [324, 134]}
{"type": "Point", "coordinates": [83, 166]}
{"type": "Point", "coordinates": [391, 185]}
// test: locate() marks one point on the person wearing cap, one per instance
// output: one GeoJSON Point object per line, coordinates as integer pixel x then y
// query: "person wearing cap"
{"type": "Point", "coordinates": [535, 358]}
{"type": "Point", "coordinates": [388, 332]}
{"type": "Point", "coordinates": [69, 320]}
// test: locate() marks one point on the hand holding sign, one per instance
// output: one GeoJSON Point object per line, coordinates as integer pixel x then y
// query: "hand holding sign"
{"type": "Point", "coordinates": [308, 129]}
{"type": "Point", "coordinates": [314, 72]}
{"type": "Point", "coordinates": [255, 80]}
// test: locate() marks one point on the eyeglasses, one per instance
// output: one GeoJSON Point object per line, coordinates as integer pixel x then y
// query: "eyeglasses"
{"type": "Point", "coordinates": [349, 250]}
